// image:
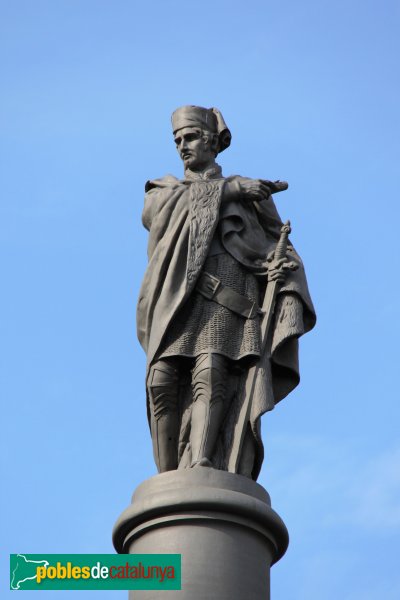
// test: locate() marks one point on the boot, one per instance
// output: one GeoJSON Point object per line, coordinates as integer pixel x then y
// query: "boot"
{"type": "Point", "coordinates": [163, 390]}
{"type": "Point", "coordinates": [209, 377]}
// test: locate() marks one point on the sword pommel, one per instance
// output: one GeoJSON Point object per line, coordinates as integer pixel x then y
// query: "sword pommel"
{"type": "Point", "coordinates": [280, 250]}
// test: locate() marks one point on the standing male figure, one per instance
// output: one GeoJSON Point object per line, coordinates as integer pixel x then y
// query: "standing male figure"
{"type": "Point", "coordinates": [198, 313]}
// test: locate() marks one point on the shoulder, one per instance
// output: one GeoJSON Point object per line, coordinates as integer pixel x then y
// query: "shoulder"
{"type": "Point", "coordinates": [168, 181]}
{"type": "Point", "coordinates": [160, 193]}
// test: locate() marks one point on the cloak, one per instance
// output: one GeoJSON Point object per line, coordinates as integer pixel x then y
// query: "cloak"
{"type": "Point", "coordinates": [181, 217]}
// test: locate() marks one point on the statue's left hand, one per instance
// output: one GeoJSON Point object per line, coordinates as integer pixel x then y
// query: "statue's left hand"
{"type": "Point", "coordinates": [276, 186]}
{"type": "Point", "coordinates": [277, 269]}
{"type": "Point", "coordinates": [254, 189]}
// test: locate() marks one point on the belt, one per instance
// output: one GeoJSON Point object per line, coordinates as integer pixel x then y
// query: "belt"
{"type": "Point", "coordinates": [211, 288]}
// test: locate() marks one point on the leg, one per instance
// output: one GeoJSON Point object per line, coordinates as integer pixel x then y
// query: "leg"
{"type": "Point", "coordinates": [163, 390]}
{"type": "Point", "coordinates": [209, 384]}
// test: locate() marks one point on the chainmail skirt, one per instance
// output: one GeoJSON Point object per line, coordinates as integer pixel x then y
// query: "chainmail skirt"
{"type": "Point", "coordinates": [202, 325]}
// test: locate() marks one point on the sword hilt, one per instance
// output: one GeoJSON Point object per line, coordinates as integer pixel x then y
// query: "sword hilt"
{"type": "Point", "coordinates": [281, 247]}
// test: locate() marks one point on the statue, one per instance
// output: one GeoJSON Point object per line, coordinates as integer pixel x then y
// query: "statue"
{"type": "Point", "coordinates": [215, 361]}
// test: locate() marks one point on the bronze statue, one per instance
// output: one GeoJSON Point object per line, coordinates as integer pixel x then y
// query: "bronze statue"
{"type": "Point", "coordinates": [215, 362]}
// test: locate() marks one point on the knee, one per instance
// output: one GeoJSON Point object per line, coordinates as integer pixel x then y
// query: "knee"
{"type": "Point", "coordinates": [209, 378]}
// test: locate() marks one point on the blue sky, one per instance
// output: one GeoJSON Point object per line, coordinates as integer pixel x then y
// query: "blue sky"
{"type": "Point", "coordinates": [310, 91]}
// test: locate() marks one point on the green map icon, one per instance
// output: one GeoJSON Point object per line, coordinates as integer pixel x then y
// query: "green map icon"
{"type": "Point", "coordinates": [23, 569]}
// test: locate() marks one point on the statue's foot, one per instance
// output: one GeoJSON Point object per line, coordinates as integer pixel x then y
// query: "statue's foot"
{"type": "Point", "coordinates": [203, 462]}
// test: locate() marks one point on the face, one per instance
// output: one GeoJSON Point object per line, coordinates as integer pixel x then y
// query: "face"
{"type": "Point", "coordinates": [193, 150]}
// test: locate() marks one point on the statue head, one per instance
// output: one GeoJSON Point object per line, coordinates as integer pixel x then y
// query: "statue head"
{"type": "Point", "coordinates": [200, 134]}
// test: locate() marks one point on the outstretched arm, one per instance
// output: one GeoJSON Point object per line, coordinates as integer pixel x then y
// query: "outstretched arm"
{"type": "Point", "coordinates": [254, 190]}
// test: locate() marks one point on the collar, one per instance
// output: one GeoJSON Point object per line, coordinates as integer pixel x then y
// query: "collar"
{"type": "Point", "coordinates": [214, 172]}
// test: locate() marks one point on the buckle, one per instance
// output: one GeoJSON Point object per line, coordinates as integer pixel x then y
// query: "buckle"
{"type": "Point", "coordinates": [209, 285]}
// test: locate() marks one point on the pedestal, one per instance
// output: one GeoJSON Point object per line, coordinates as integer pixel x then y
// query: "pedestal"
{"type": "Point", "coordinates": [222, 524]}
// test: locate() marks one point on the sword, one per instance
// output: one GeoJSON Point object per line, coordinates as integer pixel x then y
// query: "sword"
{"type": "Point", "coordinates": [277, 262]}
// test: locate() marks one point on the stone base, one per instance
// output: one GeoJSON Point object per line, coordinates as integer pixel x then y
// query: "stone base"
{"type": "Point", "coordinates": [222, 524]}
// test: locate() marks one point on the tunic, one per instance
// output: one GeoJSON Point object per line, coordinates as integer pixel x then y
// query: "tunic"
{"type": "Point", "coordinates": [203, 326]}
